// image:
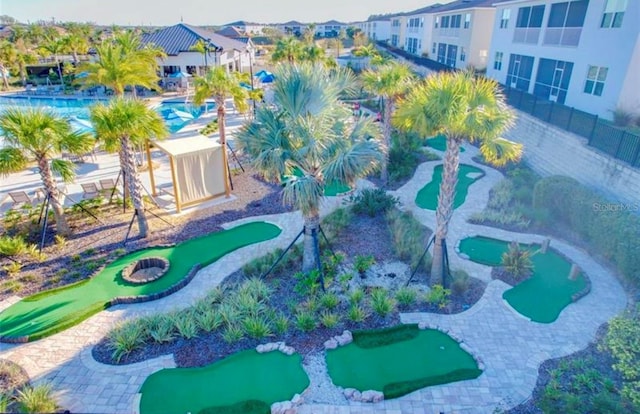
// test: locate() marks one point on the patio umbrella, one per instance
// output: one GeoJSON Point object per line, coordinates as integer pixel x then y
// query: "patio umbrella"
{"type": "Point", "coordinates": [170, 114]}
{"type": "Point", "coordinates": [268, 78]}
{"type": "Point", "coordinates": [179, 75]}
{"type": "Point", "coordinates": [81, 125]}
{"type": "Point", "coordinates": [262, 73]}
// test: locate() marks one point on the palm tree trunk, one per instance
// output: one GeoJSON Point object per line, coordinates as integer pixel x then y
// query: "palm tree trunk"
{"type": "Point", "coordinates": [5, 80]}
{"type": "Point", "coordinates": [388, 108]}
{"type": "Point", "coordinates": [223, 142]}
{"type": "Point", "coordinates": [135, 187]}
{"type": "Point", "coordinates": [59, 71]}
{"type": "Point", "coordinates": [444, 211]}
{"type": "Point", "coordinates": [310, 257]}
{"type": "Point", "coordinates": [62, 227]}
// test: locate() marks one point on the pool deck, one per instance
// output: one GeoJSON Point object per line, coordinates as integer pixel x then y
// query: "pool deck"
{"type": "Point", "coordinates": [510, 346]}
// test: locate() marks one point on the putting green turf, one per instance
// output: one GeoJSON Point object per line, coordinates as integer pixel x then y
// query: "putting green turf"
{"type": "Point", "coordinates": [403, 360]}
{"type": "Point", "coordinates": [439, 142]}
{"type": "Point", "coordinates": [427, 197]}
{"type": "Point", "coordinates": [247, 375]}
{"type": "Point", "coordinates": [50, 312]}
{"type": "Point", "coordinates": [546, 293]}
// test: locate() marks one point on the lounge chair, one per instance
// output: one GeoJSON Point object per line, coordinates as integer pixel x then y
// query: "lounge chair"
{"type": "Point", "coordinates": [20, 197]}
{"type": "Point", "coordinates": [90, 190]}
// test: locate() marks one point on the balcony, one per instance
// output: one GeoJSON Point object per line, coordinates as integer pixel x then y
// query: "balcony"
{"type": "Point", "coordinates": [528, 35]}
{"type": "Point", "coordinates": [449, 31]}
{"type": "Point", "coordinates": [562, 36]}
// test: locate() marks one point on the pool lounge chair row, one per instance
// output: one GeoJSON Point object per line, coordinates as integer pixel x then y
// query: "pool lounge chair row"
{"type": "Point", "coordinates": [89, 190]}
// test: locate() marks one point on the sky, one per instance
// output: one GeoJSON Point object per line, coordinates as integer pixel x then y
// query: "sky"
{"type": "Point", "coordinates": [202, 12]}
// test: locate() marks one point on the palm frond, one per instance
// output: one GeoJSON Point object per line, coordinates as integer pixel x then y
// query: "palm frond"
{"type": "Point", "coordinates": [12, 160]}
{"type": "Point", "coordinates": [305, 193]}
{"type": "Point", "coordinates": [65, 169]}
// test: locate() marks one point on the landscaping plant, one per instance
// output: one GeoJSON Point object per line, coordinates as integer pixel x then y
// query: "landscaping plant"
{"type": "Point", "coordinates": [517, 261]}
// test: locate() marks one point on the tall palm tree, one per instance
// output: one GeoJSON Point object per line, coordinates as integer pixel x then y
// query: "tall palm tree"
{"type": "Point", "coordinates": [8, 56]}
{"type": "Point", "coordinates": [220, 85]}
{"type": "Point", "coordinates": [391, 82]}
{"type": "Point", "coordinates": [37, 133]}
{"type": "Point", "coordinates": [54, 46]}
{"type": "Point", "coordinates": [121, 125]}
{"type": "Point", "coordinates": [201, 47]}
{"type": "Point", "coordinates": [288, 48]}
{"type": "Point", "coordinates": [311, 141]}
{"type": "Point", "coordinates": [461, 107]}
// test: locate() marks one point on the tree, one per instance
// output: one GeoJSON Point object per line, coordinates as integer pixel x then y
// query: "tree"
{"type": "Point", "coordinates": [121, 125]}
{"type": "Point", "coordinates": [288, 48]}
{"type": "Point", "coordinates": [309, 141]}
{"type": "Point", "coordinates": [309, 34]}
{"type": "Point", "coordinates": [6, 20]}
{"type": "Point", "coordinates": [462, 107]}
{"type": "Point", "coordinates": [201, 47]}
{"type": "Point", "coordinates": [77, 44]}
{"type": "Point", "coordinates": [220, 85]}
{"type": "Point", "coordinates": [390, 81]}
{"type": "Point", "coordinates": [54, 46]}
{"type": "Point", "coordinates": [37, 133]}
{"type": "Point", "coordinates": [359, 38]}
{"type": "Point", "coordinates": [342, 35]}
{"type": "Point", "coordinates": [8, 56]}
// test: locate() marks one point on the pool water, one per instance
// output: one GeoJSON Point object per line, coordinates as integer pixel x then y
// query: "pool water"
{"type": "Point", "coordinates": [79, 108]}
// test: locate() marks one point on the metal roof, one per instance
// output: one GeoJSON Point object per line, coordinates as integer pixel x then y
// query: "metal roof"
{"type": "Point", "coordinates": [182, 37]}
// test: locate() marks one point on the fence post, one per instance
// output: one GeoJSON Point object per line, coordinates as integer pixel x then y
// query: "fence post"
{"type": "Point", "coordinates": [593, 130]}
{"type": "Point", "coordinates": [635, 161]}
{"type": "Point", "coordinates": [568, 128]}
{"type": "Point", "coordinates": [617, 153]}
{"type": "Point", "coordinates": [550, 111]}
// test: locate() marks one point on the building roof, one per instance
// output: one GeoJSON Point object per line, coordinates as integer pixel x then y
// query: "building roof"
{"type": "Point", "coordinates": [331, 22]}
{"type": "Point", "coordinates": [466, 4]}
{"type": "Point", "coordinates": [182, 37]}
{"type": "Point", "coordinates": [292, 23]}
{"type": "Point", "coordinates": [231, 32]}
{"type": "Point", "coordinates": [243, 23]}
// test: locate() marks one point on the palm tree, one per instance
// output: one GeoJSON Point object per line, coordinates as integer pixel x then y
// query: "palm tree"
{"type": "Point", "coordinates": [121, 125]}
{"type": "Point", "coordinates": [310, 141]}
{"type": "Point", "coordinates": [8, 56]}
{"type": "Point", "coordinates": [37, 133]}
{"type": "Point", "coordinates": [461, 107]}
{"type": "Point", "coordinates": [77, 44]}
{"type": "Point", "coordinates": [54, 46]}
{"type": "Point", "coordinates": [201, 47]}
{"type": "Point", "coordinates": [390, 81]}
{"type": "Point", "coordinates": [220, 85]}
{"type": "Point", "coordinates": [288, 48]}
{"type": "Point", "coordinates": [309, 34]}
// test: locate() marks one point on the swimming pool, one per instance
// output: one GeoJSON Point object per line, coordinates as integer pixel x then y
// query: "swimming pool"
{"type": "Point", "coordinates": [79, 108]}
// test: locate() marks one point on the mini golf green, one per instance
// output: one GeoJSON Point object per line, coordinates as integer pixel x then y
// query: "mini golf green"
{"type": "Point", "coordinates": [427, 197]}
{"type": "Point", "coordinates": [53, 311]}
{"type": "Point", "coordinates": [546, 293]}
{"type": "Point", "coordinates": [439, 142]}
{"type": "Point", "coordinates": [399, 360]}
{"type": "Point", "coordinates": [245, 376]}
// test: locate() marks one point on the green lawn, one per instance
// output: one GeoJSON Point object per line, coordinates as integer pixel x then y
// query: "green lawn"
{"type": "Point", "coordinates": [399, 360]}
{"type": "Point", "coordinates": [427, 197]}
{"type": "Point", "coordinates": [245, 376]}
{"type": "Point", "coordinates": [49, 312]}
{"type": "Point", "coordinates": [546, 293]}
{"type": "Point", "coordinates": [439, 142]}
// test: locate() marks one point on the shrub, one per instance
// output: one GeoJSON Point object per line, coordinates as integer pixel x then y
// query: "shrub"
{"type": "Point", "coordinates": [126, 338]}
{"type": "Point", "coordinates": [333, 223]}
{"type": "Point", "coordinates": [159, 328]}
{"type": "Point", "coordinates": [409, 238]}
{"type": "Point", "coordinates": [12, 268]}
{"type": "Point", "coordinates": [329, 319]}
{"type": "Point", "coordinates": [344, 280]}
{"type": "Point", "coordinates": [372, 202]}
{"type": "Point", "coordinates": [185, 323]}
{"type": "Point", "coordinates": [329, 301]}
{"type": "Point", "coordinates": [356, 296]}
{"type": "Point", "coordinates": [12, 246]}
{"type": "Point", "coordinates": [439, 296]}
{"type": "Point", "coordinates": [330, 265]}
{"type": "Point", "coordinates": [404, 155]}
{"type": "Point", "coordinates": [622, 117]}
{"type": "Point", "coordinates": [232, 334]}
{"type": "Point", "coordinates": [357, 313]}
{"type": "Point", "coordinates": [4, 403]}
{"type": "Point", "coordinates": [256, 288]}
{"type": "Point", "coordinates": [623, 341]}
{"type": "Point", "coordinates": [406, 296]}
{"type": "Point", "coordinates": [209, 320]}
{"type": "Point", "coordinates": [281, 323]}
{"type": "Point", "coordinates": [308, 283]}
{"type": "Point", "coordinates": [305, 321]}
{"type": "Point", "coordinates": [257, 327]}
{"type": "Point", "coordinates": [460, 282]}
{"type": "Point", "coordinates": [215, 295]}
{"type": "Point", "coordinates": [611, 229]}
{"type": "Point", "coordinates": [517, 261]}
{"type": "Point", "coordinates": [246, 304]}
{"type": "Point", "coordinates": [381, 303]}
{"type": "Point", "coordinates": [363, 263]}
{"type": "Point", "coordinates": [38, 399]}
{"type": "Point", "coordinates": [229, 314]}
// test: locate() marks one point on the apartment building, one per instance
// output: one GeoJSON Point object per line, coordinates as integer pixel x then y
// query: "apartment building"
{"type": "Point", "coordinates": [581, 53]}
{"type": "Point", "coordinates": [376, 29]}
{"type": "Point", "coordinates": [462, 31]}
{"type": "Point", "coordinates": [398, 30]}
{"type": "Point", "coordinates": [419, 30]}
{"type": "Point", "coordinates": [329, 29]}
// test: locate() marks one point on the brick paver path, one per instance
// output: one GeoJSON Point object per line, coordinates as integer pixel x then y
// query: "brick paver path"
{"type": "Point", "coordinates": [510, 346]}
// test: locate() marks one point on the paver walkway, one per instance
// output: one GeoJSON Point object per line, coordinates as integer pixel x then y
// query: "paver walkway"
{"type": "Point", "coordinates": [510, 346]}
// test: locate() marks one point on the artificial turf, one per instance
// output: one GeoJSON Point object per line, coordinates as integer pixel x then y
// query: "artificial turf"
{"type": "Point", "coordinates": [546, 293]}
{"type": "Point", "coordinates": [50, 312]}
{"type": "Point", "coordinates": [405, 359]}
{"type": "Point", "coordinates": [427, 197]}
{"type": "Point", "coordinates": [227, 384]}
{"type": "Point", "coordinates": [439, 142]}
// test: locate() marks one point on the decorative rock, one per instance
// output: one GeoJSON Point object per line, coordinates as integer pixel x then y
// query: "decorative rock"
{"type": "Point", "coordinates": [345, 338]}
{"type": "Point", "coordinates": [297, 399]}
{"type": "Point", "coordinates": [261, 349]}
{"type": "Point", "coordinates": [348, 392]}
{"type": "Point", "coordinates": [574, 272]}
{"type": "Point", "coordinates": [331, 344]}
{"type": "Point", "coordinates": [357, 396]}
{"type": "Point", "coordinates": [283, 407]}
{"type": "Point", "coordinates": [464, 256]}
{"type": "Point", "coordinates": [372, 396]}
{"type": "Point", "coordinates": [423, 325]}
{"type": "Point", "coordinates": [287, 350]}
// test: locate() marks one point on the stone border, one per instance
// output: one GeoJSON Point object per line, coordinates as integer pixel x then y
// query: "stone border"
{"type": "Point", "coordinates": [460, 341]}
{"type": "Point", "coordinates": [339, 340]}
{"type": "Point", "coordinates": [146, 263]}
{"type": "Point", "coordinates": [154, 296]}
{"type": "Point", "coordinates": [275, 346]}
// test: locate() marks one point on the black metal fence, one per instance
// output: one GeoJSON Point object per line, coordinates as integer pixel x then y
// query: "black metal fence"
{"type": "Point", "coordinates": [427, 63]}
{"type": "Point", "coordinates": [601, 135]}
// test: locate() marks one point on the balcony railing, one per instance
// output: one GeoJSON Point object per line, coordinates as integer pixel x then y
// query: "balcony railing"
{"type": "Point", "coordinates": [562, 36]}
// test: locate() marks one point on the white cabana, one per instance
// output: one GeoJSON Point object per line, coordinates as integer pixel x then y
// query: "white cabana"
{"type": "Point", "coordinates": [197, 169]}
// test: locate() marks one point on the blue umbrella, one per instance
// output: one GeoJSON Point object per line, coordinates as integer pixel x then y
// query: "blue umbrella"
{"type": "Point", "coordinates": [267, 78]}
{"type": "Point", "coordinates": [262, 73]}
{"type": "Point", "coordinates": [179, 75]}
{"type": "Point", "coordinates": [81, 125]}
{"type": "Point", "coordinates": [170, 114]}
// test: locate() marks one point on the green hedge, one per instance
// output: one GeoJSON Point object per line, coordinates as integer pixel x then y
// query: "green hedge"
{"type": "Point", "coordinates": [611, 229]}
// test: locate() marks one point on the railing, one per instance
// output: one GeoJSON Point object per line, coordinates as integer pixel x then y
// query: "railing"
{"type": "Point", "coordinates": [428, 63]}
{"type": "Point", "coordinates": [614, 141]}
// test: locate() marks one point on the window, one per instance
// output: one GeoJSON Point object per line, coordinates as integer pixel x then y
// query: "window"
{"type": "Point", "coordinates": [442, 52]}
{"type": "Point", "coordinates": [433, 49]}
{"type": "Point", "coordinates": [565, 23]}
{"type": "Point", "coordinates": [394, 40]}
{"type": "Point", "coordinates": [613, 13]}
{"type": "Point", "coordinates": [445, 21]}
{"type": "Point", "coordinates": [595, 80]}
{"type": "Point", "coordinates": [519, 72]}
{"type": "Point", "coordinates": [455, 21]}
{"type": "Point", "coordinates": [497, 62]}
{"type": "Point", "coordinates": [467, 20]}
{"type": "Point", "coordinates": [437, 21]}
{"type": "Point", "coordinates": [504, 21]}
{"type": "Point", "coordinates": [463, 54]}
{"type": "Point", "coordinates": [528, 24]}
{"type": "Point", "coordinates": [452, 55]}
{"type": "Point", "coordinates": [552, 80]}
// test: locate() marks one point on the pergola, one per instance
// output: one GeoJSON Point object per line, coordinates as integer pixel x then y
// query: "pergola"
{"type": "Point", "coordinates": [197, 169]}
